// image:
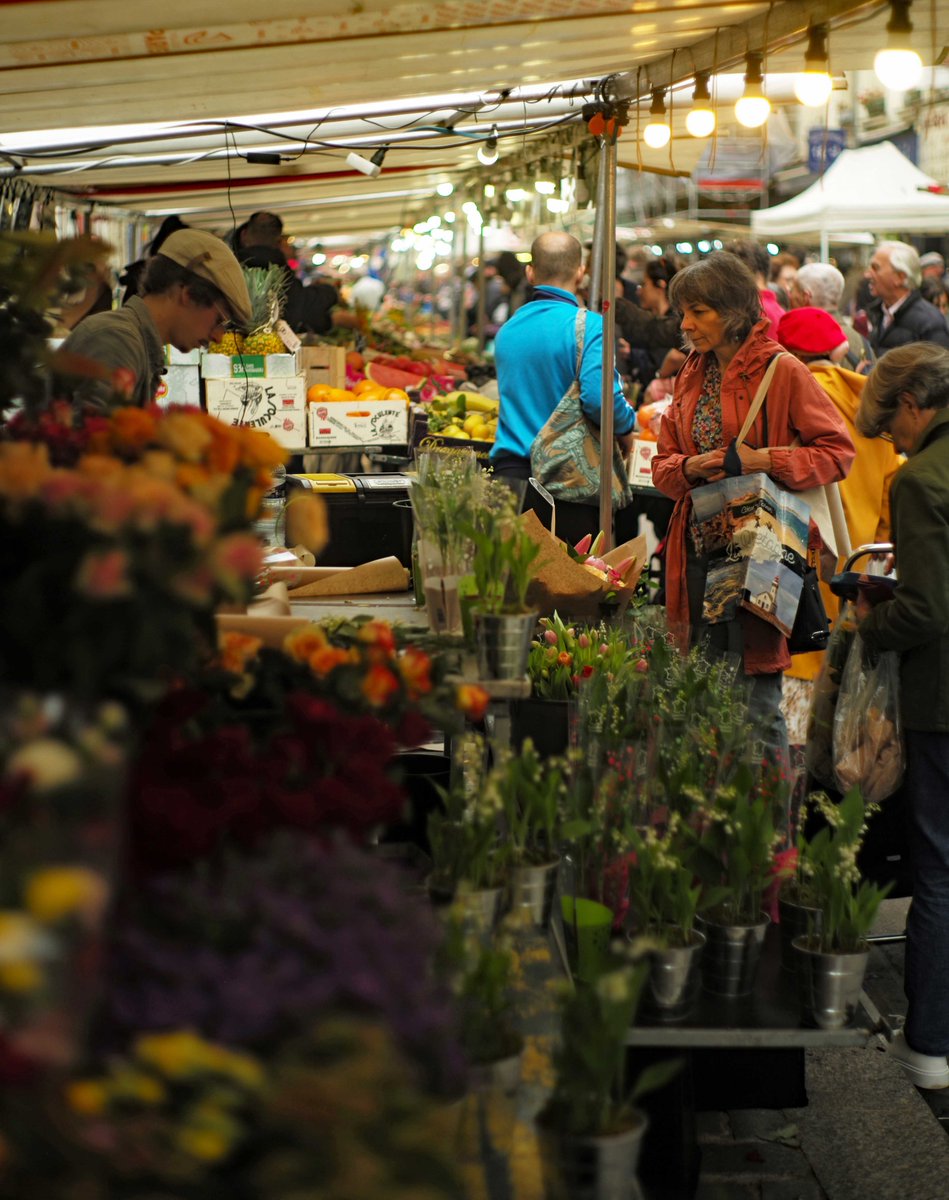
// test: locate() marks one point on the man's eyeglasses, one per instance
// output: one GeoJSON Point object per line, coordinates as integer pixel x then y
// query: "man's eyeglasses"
{"type": "Point", "coordinates": [224, 321]}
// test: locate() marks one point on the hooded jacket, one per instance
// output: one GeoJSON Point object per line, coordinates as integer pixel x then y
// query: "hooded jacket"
{"type": "Point", "coordinates": [797, 407]}
{"type": "Point", "coordinates": [865, 493]}
{"type": "Point", "coordinates": [916, 621]}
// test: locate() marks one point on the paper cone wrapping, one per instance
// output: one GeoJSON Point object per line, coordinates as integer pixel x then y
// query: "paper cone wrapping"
{"type": "Point", "coordinates": [382, 575]}
{"type": "Point", "coordinates": [274, 602]}
{"type": "Point", "coordinates": [564, 586]}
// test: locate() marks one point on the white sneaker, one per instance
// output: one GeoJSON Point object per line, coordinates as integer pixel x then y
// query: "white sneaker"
{"type": "Point", "coordinates": [929, 1071]}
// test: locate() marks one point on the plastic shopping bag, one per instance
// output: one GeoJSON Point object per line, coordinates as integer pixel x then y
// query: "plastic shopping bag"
{"type": "Point", "coordinates": [868, 740]}
{"type": "Point", "coordinates": [819, 751]}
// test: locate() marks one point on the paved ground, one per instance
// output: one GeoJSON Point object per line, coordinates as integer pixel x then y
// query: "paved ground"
{"type": "Point", "coordinates": [866, 1133]}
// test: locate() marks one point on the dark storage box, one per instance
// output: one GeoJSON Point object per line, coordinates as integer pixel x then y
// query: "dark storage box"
{"type": "Point", "coordinates": [364, 522]}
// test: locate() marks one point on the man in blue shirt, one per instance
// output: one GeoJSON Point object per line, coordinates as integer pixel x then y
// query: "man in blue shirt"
{"type": "Point", "coordinates": [536, 357]}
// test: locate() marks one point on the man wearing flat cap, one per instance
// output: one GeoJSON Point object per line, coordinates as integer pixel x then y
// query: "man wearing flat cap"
{"type": "Point", "coordinates": [191, 292]}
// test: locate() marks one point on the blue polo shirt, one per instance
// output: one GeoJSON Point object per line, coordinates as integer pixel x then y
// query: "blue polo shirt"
{"type": "Point", "coordinates": [536, 353]}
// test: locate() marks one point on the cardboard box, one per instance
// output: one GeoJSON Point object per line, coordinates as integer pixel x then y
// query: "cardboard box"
{"type": "Point", "coordinates": [323, 364]}
{"type": "Point", "coordinates": [358, 423]}
{"type": "Point", "coordinates": [640, 463]}
{"type": "Point", "coordinates": [249, 366]}
{"type": "Point", "coordinates": [275, 405]}
{"type": "Point", "coordinates": [180, 385]}
{"type": "Point", "coordinates": [178, 358]}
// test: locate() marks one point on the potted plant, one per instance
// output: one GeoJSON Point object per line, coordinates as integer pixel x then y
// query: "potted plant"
{"type": "Point", "coordinates": [529, 792]}
{"type": "Point", "coordinates": [503, 554]}
{"type": "Point", "coordinates": [443, 495]}
{"type": "Point", "coordinates": [464, 839]}
{"type": "Point", "coordinates": [732, 846]}
{"type": "Point", "coordinates": [484, 976]}
{"type": "Point", "coordinates": [832, 958]}
{"type": "Point", "coordinates": [590, 1129]}
{"type": "Point", "coordinates": [664, 900]}
{"type": "Point", "coordinates": [562, 659]}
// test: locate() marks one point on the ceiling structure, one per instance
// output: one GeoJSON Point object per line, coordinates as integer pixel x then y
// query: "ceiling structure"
{"type": "Point", "coordinates": [218, 82]}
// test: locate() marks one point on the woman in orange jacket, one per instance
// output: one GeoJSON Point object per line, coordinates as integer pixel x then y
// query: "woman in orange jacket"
{"type": "Point", "coordinates": [807, 445]}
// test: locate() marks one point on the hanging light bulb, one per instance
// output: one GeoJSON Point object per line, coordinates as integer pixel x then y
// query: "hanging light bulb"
{"type": "Point", "coordinates": [813, 85]}
{"type": "Point", "coordinates": [753, 108]}
{"type": "Point", "coordinates": [544, 184]}
{"type": "Point", "coordinates": [488, 151]}
{"type": "Point", "coordinates": [700, 119]}
{"type": "Point", "coordinates": [657, 133]}
{"type": "Point", "coordinates": [897, 65]}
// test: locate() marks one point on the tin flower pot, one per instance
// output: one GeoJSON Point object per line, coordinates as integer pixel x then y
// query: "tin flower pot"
{"type": "Point", "coordinates": [503, 642]}
{"type": "Point", "coordinates": [531, 892]}
{"type": "Point", "coordinates": [674, 980]}
{"type": "Point", "coordinates": [796, 920]}
{"type": "Point", "coordinates": [596, 1167]}
{"type": "Point", "coordinates": [828, 983]}
{"type": "Point", "coordinates": [731, 956]}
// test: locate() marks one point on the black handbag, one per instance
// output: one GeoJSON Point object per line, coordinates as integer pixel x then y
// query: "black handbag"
{"type": "Point", "coordinates": [811, 626]}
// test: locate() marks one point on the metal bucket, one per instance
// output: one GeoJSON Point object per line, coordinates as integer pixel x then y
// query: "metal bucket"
{"type": "Point", "coordinates": [796, 920]}
{"type": "Point", "coordinates": [674, 980]}
{"type": "Point", "coordinates": [532, 891]}
{"type": "Point", "coordinates": [731, 955]}
{"type": "Point", "coordinates": [591, 1168]}
{"type": "Point", "coordinates": [828, 984]}
{"type": "Point", "coordinates": [503, 642]}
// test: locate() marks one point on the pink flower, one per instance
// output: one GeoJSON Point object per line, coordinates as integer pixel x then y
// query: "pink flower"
{"type": "Point", "coordinates": [550, 638]}
{"type": "Point", "coordinates": [583, 641]}
{"type": "Point", "coordinates": [642, 666]}
{"type": "Point", "coordinates": [238, 554]}
{"type": "Point", "coordinates": [103, 575]}
{"type": "Point", "coordinates": [603, 648]}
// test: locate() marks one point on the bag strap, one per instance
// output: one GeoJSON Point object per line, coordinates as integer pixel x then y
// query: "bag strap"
{"type": "Point", "coordinates": [759, 399]}
{"type": "Point", "coordinates": [580, 330]}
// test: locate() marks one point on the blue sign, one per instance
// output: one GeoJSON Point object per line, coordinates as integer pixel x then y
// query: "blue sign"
{"type": "Point", "coordinates": [823, 146]}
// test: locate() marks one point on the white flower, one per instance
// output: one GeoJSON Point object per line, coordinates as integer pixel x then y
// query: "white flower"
{"type": "Point", "coordinates": [47, 762]}
{"type": "Point", "coordinates": [613, 987]}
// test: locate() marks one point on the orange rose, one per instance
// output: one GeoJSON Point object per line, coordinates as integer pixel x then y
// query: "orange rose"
{"type": "Point", "coordinates": [472, 700]}
{"type": "Point", "coordinates": [379, 636]}
{"type": "Point", "coordinates": [379, 685]}
{"type": "Point", "coordinates": [132, 429]}
{"type": "Point", "coordinates": [305, 641]}
{"type": "Point", "coordinates": [327, 659]}
{"type": "Point", "coordinates": [416, 668]}
{"type": "Point", "coordinates": [235, 650]}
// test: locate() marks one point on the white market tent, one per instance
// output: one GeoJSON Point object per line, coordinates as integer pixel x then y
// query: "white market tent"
{"type": "Point", "coordinates": [876, 189]}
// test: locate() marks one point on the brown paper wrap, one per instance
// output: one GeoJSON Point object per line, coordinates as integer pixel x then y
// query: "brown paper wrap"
{"type": "Point", "coordinates": [382, 575]}
{"type": "Point", "coordinates": [564, 586]}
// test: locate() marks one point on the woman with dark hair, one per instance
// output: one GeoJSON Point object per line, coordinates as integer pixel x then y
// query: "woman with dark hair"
{"type": "Point", "coordinates": [906, 399]}
{"type": "Point", "coordinates": [798, 438]}
{"type": "Point", "coordinates": [650, 328]}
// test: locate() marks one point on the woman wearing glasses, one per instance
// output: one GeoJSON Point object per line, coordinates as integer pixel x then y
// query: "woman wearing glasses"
{"type": "Point", "coordinates": [190, 293]}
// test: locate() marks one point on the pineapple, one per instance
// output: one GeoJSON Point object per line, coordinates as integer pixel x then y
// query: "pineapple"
{"type": "Point", "coordinates": [267, 287]}
{"type": "Point", "coordinates": [231, 343]}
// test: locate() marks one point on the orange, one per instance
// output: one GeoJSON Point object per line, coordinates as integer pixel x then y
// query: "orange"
{"type": "Point", "coordinates": [355, 360]}
{"type": "Point", "coordinates": [396, 394]}
{"type": "Point", "coordinates": [342, 394]}
{"type": "Point", "coordinates": [364, 385]}
{"type": "Point", "coordinates": [317, 392]}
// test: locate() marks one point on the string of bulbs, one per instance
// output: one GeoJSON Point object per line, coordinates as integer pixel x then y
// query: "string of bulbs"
{"type": "Point", "coordinates": [897, 66]}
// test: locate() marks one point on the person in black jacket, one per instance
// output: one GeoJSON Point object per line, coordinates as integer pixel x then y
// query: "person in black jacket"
{"type": "Point", "coordinates": [307, 309]}
{"type": "Point", "coordinates": [899, 315]}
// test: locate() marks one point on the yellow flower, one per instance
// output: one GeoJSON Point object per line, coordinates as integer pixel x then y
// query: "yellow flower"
{"type": "Point", "coordinates": [185, 435]}
{"type": "Point", "coordinates": [176, 1054]}
{"type": "Point", "coordinates": [57, 892]}
{"type": "Point", "coordinates": [136, 1085]}
{"type": "Point", "coordinates": [208, 1145]}
{"type": "Point", "coordinates": [88, 1097]}
{"type": "Point", "coordinates": [304, 642]}
{"type": "Point", "coordinates": [20, 976]}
